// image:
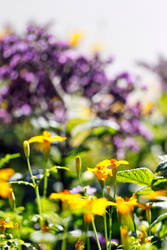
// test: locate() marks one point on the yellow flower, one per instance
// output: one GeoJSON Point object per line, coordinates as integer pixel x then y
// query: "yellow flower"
{"type": "Point", "coordinates": [71, 201]}
{"type": "Point", "coordinates": [126, 206]}
{"type": "Point", "coordinates": [95, 207]}
{"type": "Point", "coordinates": [114, 164]}
{"type": "Point", "coordinates": [43, 141]}
{"type": "Point", "coordinates": [7, 224]}
{"type": "Point", "coordinates": [5, 187]}
{"type": "Point", "coordinates": [75, 38]}
{"type": "Point", "coordinates": [4, 224]}
{"type": "Point", "coordinates": [124, 235]}
{"type": "Point", "coordinates": [154, 195]}
{"type": "Point", "coordinates": [106, 168]}
{"type": "Point", "coordinates": [76, 203]}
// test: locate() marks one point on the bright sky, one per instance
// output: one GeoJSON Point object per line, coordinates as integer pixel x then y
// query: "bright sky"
{"type": "Point", "coordinates": [128, 29]}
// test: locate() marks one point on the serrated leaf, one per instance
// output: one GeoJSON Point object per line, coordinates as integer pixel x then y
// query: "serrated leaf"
{"type": "Point", "coordinates": [159, 183]}
{"type": "Point", "coordinates": [159, 219]}
{"type": "Point", "coordinates": [7, 158]}
{"type": "Point", "coordinates": [140, 176]}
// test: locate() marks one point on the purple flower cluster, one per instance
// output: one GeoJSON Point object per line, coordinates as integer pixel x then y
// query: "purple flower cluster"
{"type": "Point", "coordinates": [30, 63]}
{"type": "Point", "coordinates": [27, 63]}
{"type": "Point", "coordinates": [113, 105]}
{"type": "Point", "coordinates": [160, 68]}
{"type": "Point", "coordinates": [36, 71]}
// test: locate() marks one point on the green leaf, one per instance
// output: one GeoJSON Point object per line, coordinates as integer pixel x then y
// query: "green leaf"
{"type": "Point", "coordinates": [161, 167]}
{"type": "Point", "coordinates": [159, 219]}
{"type": "Point", "coordinates": [71, 124]}
{"type": "Point", "coordinates": [144, 191]}
{"type": "Point", "coordinates": [163, 231]}
{"type": "Point", "coordinates": [7, 158]}
{"type": "Point", "coordinates": [100, 131]}
{"type": "Point", "coordinates": [163, 103]}
{"type": "Point", "coordinates": [140, 176]}
{"type": "Point", "coordinates": [159, 183]}
{"type": "Point", "coordinates": [78, 139]}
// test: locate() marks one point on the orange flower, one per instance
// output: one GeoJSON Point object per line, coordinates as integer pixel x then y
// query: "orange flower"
{"type": "Point", "coordinates": [106, 168]}
{"type": "Point", "coordinates": [101, 170]}
{"type": "Point", "coordinates": [126, 206]}
{"type": "Point", "coordinates": [43, 141]}
{"type": "Point", "coordinates": [6, 189]}
{"type": "Point", "coordinates": [154, 195]}
{"type": "Point", "coordinates": [95, 207]}
{"type": "Point", "coordinates": [71, 201]}
{"type": "Point", "coordinates": [78, 204]}
{"type": "Point", "coordinates": [7, 224]}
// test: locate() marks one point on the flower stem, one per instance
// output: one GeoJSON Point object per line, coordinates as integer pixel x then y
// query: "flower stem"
{"type": "Point", "coordinates": [36, 190]}
{"type": "Point", "coordinates": [115, 189]}
{"type": "Point", "coordinates": [110, 227]}
{"type": "Point", "coordinates": [45, 179]}
{"type": "Point", "coordinates": [64, 241]}
{"type": "Point", "coordinates": [95, 232]}
{"type": "Point", "coordinates": [87, 237]}
{"type": "Point", "coordinates": [105, 223]}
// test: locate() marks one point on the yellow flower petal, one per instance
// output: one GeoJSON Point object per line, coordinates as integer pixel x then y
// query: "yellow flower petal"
{"type": "Point", "coordinates": [123, 162]}
{"type": "Point", "coordinates": [5, 190]}
{"type": "Point", "coordinates": [56, 138]}
{"type": "Point", "coordinates": [6, 173]}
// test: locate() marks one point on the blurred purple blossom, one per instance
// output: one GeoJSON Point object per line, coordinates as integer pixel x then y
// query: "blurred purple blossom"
{"type": "Point", "coordinates": [88, 189]}
{"type": "Point", "coordinates": [29, 65]}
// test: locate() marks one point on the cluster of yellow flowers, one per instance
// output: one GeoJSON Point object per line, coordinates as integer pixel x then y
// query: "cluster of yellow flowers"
{"type": "Point", "coordinates": [77, 203]}
{"type": "Point", "coordinates": [106, 168]}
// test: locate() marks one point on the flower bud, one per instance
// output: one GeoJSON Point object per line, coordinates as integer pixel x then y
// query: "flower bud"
{"type": "Point", "coordinates": [26, 147]}
{"type": "Point", "coordinates": [78, 165]}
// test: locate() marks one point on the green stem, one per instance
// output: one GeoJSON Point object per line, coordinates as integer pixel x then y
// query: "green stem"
{"type": "Point", "coordinates": [36, 191]}
{"type": "Point", "coordinates": [95, 232]}
{"type": "Point", "coordinates": [110, 227]}
{"type": "Point", "coordinates": [115, 189]}
{"type": "Point", "coordinates": [45, 179]}
{"type": "Point", "coordinates": [87, 237]}
{"type": "Point", "coordinates": [134, 224]}
{"type": "Point", "coordinates": [105, 223]}
{"type": "Point", "coordinates": [63, 246]}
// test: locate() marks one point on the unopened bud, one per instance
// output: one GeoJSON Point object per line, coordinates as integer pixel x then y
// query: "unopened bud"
{"type": "Point", "coordinates": [78, 164]}
{"type": "Point", "coordinates": [26, 147]}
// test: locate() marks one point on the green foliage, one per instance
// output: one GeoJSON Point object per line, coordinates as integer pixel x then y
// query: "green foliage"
{"type": "Point", "coordinates": [71, 124]}
{"type": "Point", "coordinates": [159, 183]}
{"type": "Point", "coordinates": [163, 104]}
{"type": "Point", "coordinates": [7, 158]}
{"type": "Point", "coordinates": [140, 176]}
{"type": "Point", "coordinates": [161, 218]}
{"type": "Point", "coordinates": [162, 166]}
